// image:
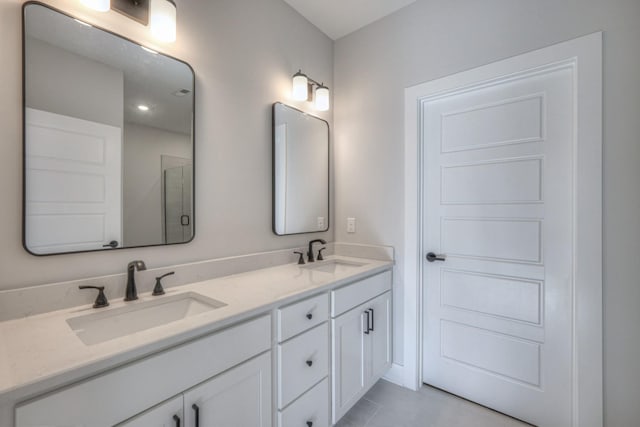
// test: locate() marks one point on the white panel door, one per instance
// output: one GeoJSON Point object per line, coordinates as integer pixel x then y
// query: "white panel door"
{"type": "Point", "coordinates": [73, 183]}
{"type": "Point", "coordinates": [498, 194]}
{"type": "Point", "coordinates": [238, 397]}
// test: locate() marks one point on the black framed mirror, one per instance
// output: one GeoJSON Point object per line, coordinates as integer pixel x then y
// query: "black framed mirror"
{"type": "Point", "coordinates": [300, 172]}
{"type": "Point", "coordinates": [108, 139]}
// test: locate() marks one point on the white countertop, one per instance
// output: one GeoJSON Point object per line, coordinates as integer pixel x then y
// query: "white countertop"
{"type": "Point", "coordinates": [39, 353]}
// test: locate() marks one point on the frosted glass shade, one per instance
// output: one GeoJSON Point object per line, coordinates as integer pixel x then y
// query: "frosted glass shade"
{"type": "Point", "coordinates": [322, 98]}
{"type": "Point", "coordinates": [162, 20]}
{"type": "Point", "coordinates": [300, 91]}
{"type": "Point", "coordinates": [99, 5]}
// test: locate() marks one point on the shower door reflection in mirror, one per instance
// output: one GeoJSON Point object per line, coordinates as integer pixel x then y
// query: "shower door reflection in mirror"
{"type": "Point", "coordinates": [108, 148]}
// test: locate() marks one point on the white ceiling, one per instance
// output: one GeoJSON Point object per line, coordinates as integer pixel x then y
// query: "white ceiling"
{"type": "Point", "coordinates": [337, 18]}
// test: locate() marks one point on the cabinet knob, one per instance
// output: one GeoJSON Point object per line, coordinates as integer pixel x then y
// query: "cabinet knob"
{"type": "Point", "coordinates": [309, 423]}
{"type": "Point", "coordinates": [309, 316]}
{"type": "Point", "coordinates": [309, 362]}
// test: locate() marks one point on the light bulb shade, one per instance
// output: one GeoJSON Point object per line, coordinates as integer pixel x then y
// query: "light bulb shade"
{"type": "Point", "coordinates": [162, 20]}
{"type": "Point", "coordinates": [300, 90]}
{"type": "Point", "coordinates": [98, 5]}
{"type": "Point", "coordinates": [322, 98]}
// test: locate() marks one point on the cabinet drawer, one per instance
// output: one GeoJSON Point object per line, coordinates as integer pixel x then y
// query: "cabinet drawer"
{"type": "Point", "coordinates": [302, 362]}
{"type": "Point", "coordinates": [131, 389]}
{"type": "Point", "coordinates": [302, 315]}
{"type": "Point", "coordinates": [312, 407]}
{"type": "Point", "coordinates": [347, 297]}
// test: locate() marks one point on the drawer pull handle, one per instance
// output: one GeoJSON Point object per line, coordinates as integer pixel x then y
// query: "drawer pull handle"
{"type": "Point", "coordinates": [372, 317]}
{"type": "Point", "coordinates": [177, 420]}
{"type": "Point", "coordinates": [368, 320]}
{"type": "Point", "coordinates": [309, 423]}
{"type": "Point", "coordinates": [309, 362]}
{"type": "Point", "coordinates": [309, 316]}
{"type": "Point", "coordinates": [197, 409]}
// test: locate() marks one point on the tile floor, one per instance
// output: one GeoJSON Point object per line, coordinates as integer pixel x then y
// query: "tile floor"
{"type": "Point", "coordinates": [388, 405]}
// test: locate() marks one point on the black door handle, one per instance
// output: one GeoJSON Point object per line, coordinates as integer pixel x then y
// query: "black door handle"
{"type": "Point", "coordinates": [368, 320]}
{"type": "Point", "coordinates": [431, 257]}
{"type": "Point", "coordinates": [184, 220]}
{"type": "Point", "coordinates": [177, 420]}
{"type": "Point", "coordinates": [197, 409]}
{"type": "Point", "coordinates": [372, 316]}
{"type": "Point", "coordinates": [111, 244]}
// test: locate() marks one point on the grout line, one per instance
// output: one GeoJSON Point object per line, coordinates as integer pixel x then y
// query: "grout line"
{"type": "Point", "coordinates": [372, 416]}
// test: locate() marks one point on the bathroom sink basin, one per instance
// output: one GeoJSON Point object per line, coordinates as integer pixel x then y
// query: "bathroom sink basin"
{"type": "Point", "coordinates": [333, 266]}
{"type": "Point", "coordinates": [103, 326]}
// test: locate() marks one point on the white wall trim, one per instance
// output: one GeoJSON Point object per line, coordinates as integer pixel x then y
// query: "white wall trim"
{"type": "Point", "coordinates": [586, 54]}
{"type": "Point", "coordinates": [395, 374]}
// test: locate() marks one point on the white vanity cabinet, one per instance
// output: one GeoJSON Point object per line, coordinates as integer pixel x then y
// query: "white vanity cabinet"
{"type": "Point", "coordinates": [238, 397]}
{"type": "Point", "coordinates": [361, 330]}
{"type": "Point", "coordinates": [241, 396]}
{"type": "Point", "coordinates": [303, 363]}
{"type": "Point", "coordinates": [125, 392]}
{"type": "Point", "coordinates": [166, 414]}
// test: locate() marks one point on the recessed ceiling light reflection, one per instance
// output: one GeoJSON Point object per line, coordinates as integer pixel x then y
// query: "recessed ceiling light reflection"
{"type": "Point", "coordinates": [143, 107]}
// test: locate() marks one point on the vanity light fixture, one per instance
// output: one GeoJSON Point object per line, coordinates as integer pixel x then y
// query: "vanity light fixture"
{"type": "Point", "coordinates": [97, 5]}
{"type": "Point", "coordinates": [302, 90]}
{"type": "Point", "coordinates": [163, 20]}
{"type": "Point", "coordinates": [159, 15]}
{"type": "Point", "coordinates": [322, 98]}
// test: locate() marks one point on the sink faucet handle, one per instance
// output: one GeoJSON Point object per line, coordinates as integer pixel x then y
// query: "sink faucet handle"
{"type": "Point", "coordinates": [101, 299]}
{"type": "Point", "coordinates": [320, 258]}
{"type": "Point", "coordinates": [301, 258]}
{"type": "Point", "coordinates": [158, 290]}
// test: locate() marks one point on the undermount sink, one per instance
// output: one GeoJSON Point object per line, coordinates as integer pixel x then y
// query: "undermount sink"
{"type": "Point", "coordinates": [103, 326]}
{"type": "Point", "coordinates": [333, 266]}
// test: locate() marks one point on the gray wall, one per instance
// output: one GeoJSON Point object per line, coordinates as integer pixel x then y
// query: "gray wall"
{"type": "Point", "coordinates": [433, 38]}
{"type": "Point", "coordinates": [142, 180]}
{"type": "Point", "coordinates": [244, 53]}
{"type": "Point", "coordinates": [55, 75]}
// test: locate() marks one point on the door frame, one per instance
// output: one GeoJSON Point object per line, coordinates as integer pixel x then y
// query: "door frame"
{"type": "Point", "coordinates": [584, 56]}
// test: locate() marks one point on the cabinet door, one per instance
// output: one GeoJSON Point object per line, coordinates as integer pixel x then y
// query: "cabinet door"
{"type": "Point", "coordinates": [167, 414]}
{"type": "Point", "coordinates": [238, 397]}
{"type": "Point", "coordinates": [380, 336]}
{"type": "Point", "coordinates": [348, 356]}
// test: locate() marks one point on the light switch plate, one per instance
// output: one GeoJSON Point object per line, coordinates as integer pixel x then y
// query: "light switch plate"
{"type": "Point", "coordinates": [351, 225]}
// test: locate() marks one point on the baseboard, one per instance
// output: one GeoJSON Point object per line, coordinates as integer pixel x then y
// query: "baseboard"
{"type": "Point", "coordinates": [395, 375]}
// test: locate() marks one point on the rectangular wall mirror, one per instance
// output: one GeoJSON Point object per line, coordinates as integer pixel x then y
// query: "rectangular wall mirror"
{"type": "Point", "coordinates": [108, 139]}
{"type": "Point", "coordinates": [300, 172]}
